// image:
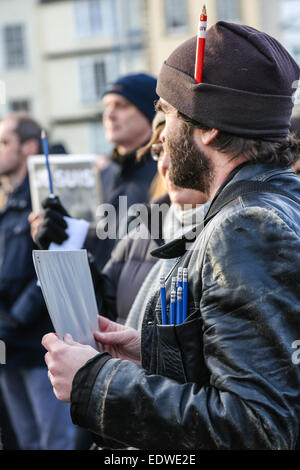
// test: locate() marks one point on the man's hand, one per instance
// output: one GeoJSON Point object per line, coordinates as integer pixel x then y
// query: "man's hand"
{"type": "Point", "coordinates": [120, 341]}
{"type": "Point", "coordinates": [35, 219]}
{"type": "Point", "coordinates": [64, 359]}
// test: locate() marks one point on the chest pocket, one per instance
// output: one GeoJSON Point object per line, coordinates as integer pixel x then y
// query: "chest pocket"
{"type": "Point", "coordinates": [179, 351]}
{"type": "Point", "coordinates": [16, 248]}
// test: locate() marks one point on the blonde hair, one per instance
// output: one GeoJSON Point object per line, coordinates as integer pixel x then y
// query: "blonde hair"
{"type": "Point", "coordinates": [157, 187]}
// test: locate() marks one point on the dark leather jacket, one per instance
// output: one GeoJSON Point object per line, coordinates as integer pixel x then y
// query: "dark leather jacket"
{"type": "Point", "coordinates": [224, 379]}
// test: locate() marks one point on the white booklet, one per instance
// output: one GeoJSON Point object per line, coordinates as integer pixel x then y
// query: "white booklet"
{"type": "Point", "coordinates": [68, 290]}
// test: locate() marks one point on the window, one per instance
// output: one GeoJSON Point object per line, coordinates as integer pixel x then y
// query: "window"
{"type": "Point", "coordinates": [2, 92]}
{"type": "Point", "coordinates": [14, 46]}
{"type": "Point", "coordinates": [134, 20]}
{"type": "Point", "coordinates": [290, 23]}
{"type": "Point", "coordinates": [95, 72]}
{"type": "Point", "coordinates": [176, 16]}
{"type": "Point", "coordinates": [93, 79]}
{"type": "Point", "coordinates": [99, 79]}
{"type": "Point", "coordinates": [19, 105]}
{"type": "Point", "coordinates": [93, 18]}
{"type": "Point", "coordinates": [229, 10]}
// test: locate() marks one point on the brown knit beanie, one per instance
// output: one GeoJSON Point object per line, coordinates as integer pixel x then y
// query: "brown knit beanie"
{"type": "Point", "coordinates": [247, 87]}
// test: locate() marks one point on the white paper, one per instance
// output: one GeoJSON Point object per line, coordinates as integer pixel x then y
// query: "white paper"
{"type": "Point", "coordinates": [77, 231]}
{"type": "Point", "coordinates": [68, 290]}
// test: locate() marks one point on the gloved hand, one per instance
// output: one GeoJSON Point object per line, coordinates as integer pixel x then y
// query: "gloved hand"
{"type": "Point", "coordinates": [54, 204]}
{"type": "Point", "coordinates": [53, 228]}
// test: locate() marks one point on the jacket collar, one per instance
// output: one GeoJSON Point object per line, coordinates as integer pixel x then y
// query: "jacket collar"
{"type": "Point", "coordinates": [129, 161]}
{"type": "Point", "coordinates": [20, 197]}
{"type": "Point", "coordinates": [147, 216]}
{"type": "Point", "coordinates": [245, 171]}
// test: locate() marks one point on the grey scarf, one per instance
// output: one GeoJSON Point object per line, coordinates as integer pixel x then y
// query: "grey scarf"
{"type": "Point", "coordinates": [176, 223]}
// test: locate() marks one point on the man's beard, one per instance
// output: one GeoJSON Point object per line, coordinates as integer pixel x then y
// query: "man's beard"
{"type": "Point", "coordinates": [189, 167]}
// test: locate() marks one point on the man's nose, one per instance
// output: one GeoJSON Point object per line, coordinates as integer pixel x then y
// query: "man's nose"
{"type": "Point", "coordinates": [163, 135]}
{"type": "Point", "coordinates": [164, 161]}
{"type": "Point", "coordinates": [109, 113]}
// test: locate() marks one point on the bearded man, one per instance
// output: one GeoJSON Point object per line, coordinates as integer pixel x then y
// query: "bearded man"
{"type": "Point", "coordinates": [224, 378]}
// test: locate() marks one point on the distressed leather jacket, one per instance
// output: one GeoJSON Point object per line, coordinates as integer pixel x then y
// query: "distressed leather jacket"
{"type": "Point", "coordinates": [225, 378]}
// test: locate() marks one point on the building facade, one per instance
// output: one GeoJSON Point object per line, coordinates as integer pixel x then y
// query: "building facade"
{"type": "Point", "coordinates": [20, 58]}
{"type": "Point", "coordinates": [58, 56]}
{"type": "Point", "coordinates": [86, 45]}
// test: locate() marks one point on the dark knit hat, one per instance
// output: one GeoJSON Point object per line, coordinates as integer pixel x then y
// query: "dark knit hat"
{"type": "Point", "coordinates": [247, 87]}
{"type": "Point", "coordinates": [139, 89]}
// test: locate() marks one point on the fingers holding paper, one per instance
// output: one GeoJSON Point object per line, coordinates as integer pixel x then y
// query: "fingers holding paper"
{"type": "Point", "coordinates": [64, 359]}
{"type": "Point", "coordinates": [120, 341]}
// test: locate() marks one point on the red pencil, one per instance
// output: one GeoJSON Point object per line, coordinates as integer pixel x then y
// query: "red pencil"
{"type": "Point", "coordinates": [201, 36]}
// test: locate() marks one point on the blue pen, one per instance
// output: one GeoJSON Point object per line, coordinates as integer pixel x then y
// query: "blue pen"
{"type": "Point", "coordinates": [46, 152]}
{"type": "Point", "coordinates": [172, 307]}
{"type": "Point", "coordinates": [185, 294]}
{"type": "Point", "coordinates": [179, 284]}
{"type": "Point", "coordinates": [173, 288]}
{"type": "Point", "coordinates": [163, 301]}
{"type": "Point", "coordinates": [179, 306]}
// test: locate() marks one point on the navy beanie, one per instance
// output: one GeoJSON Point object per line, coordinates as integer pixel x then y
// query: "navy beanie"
{"type": "Point", "coordinates": [139, 89]}
{"type": "Point", "coordinates": [248, 82]}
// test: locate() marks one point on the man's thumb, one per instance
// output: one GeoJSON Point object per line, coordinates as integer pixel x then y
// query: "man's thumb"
{"type": "Point", "coordinates": [112, 337]}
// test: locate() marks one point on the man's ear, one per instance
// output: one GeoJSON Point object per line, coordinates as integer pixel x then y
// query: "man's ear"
{"type": "Point", "coordinates": [208, 136]}
{"type": "Point", "coordinates": [30, 147]}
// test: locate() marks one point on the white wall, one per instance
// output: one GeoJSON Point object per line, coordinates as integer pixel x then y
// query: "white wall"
{"type": "Point", "coordinates": [27, 82]}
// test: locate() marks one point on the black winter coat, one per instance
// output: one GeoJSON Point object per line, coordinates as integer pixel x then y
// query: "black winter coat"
{"type": "Point", "coordinates": [225, 378]}
{"type": "Point", "coordinates": [125, 176]}
{"type": "Point", "coordinates": [24, 317]}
